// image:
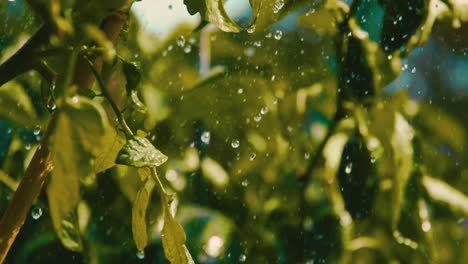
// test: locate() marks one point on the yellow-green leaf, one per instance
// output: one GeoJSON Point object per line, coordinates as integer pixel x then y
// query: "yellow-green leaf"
{"type": "Point", "coordinates": [173, 238]}
{"type": "Point", "coordinates": [80, 130]}
{"type": "Point", "coordinates": [442, 192]}
{"type": "Point", "coordinates": [139, 228]}
{"type": "Point", "coordinates": [15, 104]}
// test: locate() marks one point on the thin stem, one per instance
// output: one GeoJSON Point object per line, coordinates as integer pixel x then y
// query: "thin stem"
{"type": "Point", "coordinates": [128, 132]}
{"type": "Point", "coordinates": [154, 173]}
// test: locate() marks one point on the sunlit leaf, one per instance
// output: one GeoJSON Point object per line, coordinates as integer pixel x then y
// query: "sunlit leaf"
{"type": "Point", "coordinates": [173, 238]}
{"type": "Point", "coordinates": [140, 205]}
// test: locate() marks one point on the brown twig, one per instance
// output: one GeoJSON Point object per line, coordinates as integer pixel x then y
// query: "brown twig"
{"type": "Point", "coordinates": [41, 163]}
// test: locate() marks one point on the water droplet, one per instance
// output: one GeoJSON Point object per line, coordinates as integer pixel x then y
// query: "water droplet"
{"type": "Point", "coordinates": [413, 70]}
{"type": "Point", "coordinates": [240, 90]}
{"type": "Point", "coordinates": [278, 34]}
{"type": "Point", "coordinates": [242, 258]}
{"type": "Point", "coordinates": [307, 155]}
{"type": "Point", "coordinates": [257, 118]}
{"type": "Point", "coordinates": [181, 41]}
{"type": "Point", "coordinates": [51, 104]}
{"type": "Point", "coordinates": [140, 254]}
{"type": "Point", "coordinates": [37, 130]}
{"type": "Point", "coordinates": [206, 137]}
{"type": "Point", "coordinates": [27, 146]}
{"type": "Point", "coordinates": [258, 43]}
{"type": "Point", "coordinates": [75, 99]}
{"type": "Point", "coordinates": [245, 183]}
{"type": "Point", "coordinates": [373, 159]}
{"type": "Point", "coordinates": [170, 7]}
{"type": "Point", "coordinates": [188, 49]}
{"type": "Point", "coordinates": [389, 57]}
{"type": "Point", "coordinates": [278, 5]}
{"type": "Point", "coordinates": [264, 110]}
{"type": "Point", "coordinates": [235, 143]}
{"type": "Point", "coordinates": [36, 212]}
{"type": "Point", "coordinates": [249, 52]}
{"type": "Point", "coordinates": [348, 168]}
{"type": "Point", "coordinates": [268, 35]}
{"type": "Point", "coordinates": [251, 29]}
{"type": "Point", "coordinates": [252, 156]}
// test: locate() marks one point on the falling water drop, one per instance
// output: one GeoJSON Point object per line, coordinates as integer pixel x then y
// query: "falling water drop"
{"type": "Point", "coordinates": [36, 212]}
{"type": "Point", "coordinates": [264, 110]}
{"type": "Point", "coordinates": [278, 34]}
{"type": "Point", "coordinates": [252, 156]}
{"type": "Point", "coordinates": [235, 143]}
{"type": "Point", "coordinates": [348, 168]}
{"type": "Point", "coordinates": [181, 41]}
{"type": "Point", "coordinates": [140, 254]}
{"type": "Point", "coordinates": [206, 137]}
{"type": "Point", "coordinates": [242, 258]}
{"type": "Point", "coordinates": [37, 130]}
{"type": "Point", "coordinates": [278, 5]}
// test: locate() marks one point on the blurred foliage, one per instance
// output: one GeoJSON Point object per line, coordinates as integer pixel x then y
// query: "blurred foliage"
{"type": "Point", "coordinates": [283, 144]}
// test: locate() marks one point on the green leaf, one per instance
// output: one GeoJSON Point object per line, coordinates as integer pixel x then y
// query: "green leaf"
{"type": "Point", "coordinates": [132, 73]}
{"type": "Point", "coordinates": [113, 143]}
{"type": "Point", "coordinates": [442, 192]}
{"type": "Point", "coordinates": [139, 152]}
{"type": "Point", "coordinates": [214, 12]}
{"type": "Point", "coordinates": [402, 148]}
{"type": "Point", "coordinates": [72, 146]}
{"type": "Point", "coordinates": [140, 205]}
{"type": "Point", "coordinates": [173, 238]}
{"type": "Point", "coordinates": [16, 105]}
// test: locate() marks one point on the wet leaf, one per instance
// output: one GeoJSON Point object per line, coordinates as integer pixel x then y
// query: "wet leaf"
{"type": "Point", "coordinates": [139, 152]}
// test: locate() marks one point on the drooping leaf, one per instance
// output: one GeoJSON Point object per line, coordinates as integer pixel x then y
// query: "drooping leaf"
{"type": "Point", "coordinates": [139, 152]}
{"type": "Point", "coordinates": [72, 148]}
{"type": "Point", "coordinates": [15, 104]}
{"type": "Point", "coordinates": [173, 238]}
{"type": "Point", "coordinates": [403, 163]}
{"type": "Point", "coordinates": [140, 205]}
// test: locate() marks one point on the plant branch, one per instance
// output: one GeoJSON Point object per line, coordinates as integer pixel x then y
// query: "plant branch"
{"type": "Point", "coordinates": [105, 93]}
